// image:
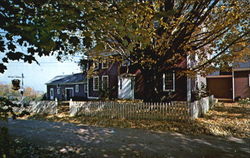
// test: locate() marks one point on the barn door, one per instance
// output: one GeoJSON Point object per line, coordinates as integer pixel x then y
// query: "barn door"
{"type": "Point", "coordinates": [220, 87]}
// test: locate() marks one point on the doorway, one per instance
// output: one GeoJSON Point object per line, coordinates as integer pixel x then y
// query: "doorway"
{"type": "Point", "coordinates": [69, 93]}
{"type": "Point", "coordinates": [126, 87]}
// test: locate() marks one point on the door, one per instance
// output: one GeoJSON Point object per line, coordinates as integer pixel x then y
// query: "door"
{"type": "Point", "coordinates": [69, 93]}
{"type": "Point", "coordinates": [126, 88]}
{"type": "Point", "coordinates": [51, 93]}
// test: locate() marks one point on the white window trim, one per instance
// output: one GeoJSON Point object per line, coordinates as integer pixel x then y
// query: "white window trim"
{"type": "Point", "coordinates": [95, 88]}
{"type": "Point", "coordinates": [103, 64]}
{"type": "Point", "coordinates": [164, 86]}
{"type": "Point", "coordinates": [77, 88]}
{"type": "Point", "coordinates": [107, 81]}
{"type": "Point", "coordinates": [73, 94]}
{"type": "Point", "coordinates": [51, 92]}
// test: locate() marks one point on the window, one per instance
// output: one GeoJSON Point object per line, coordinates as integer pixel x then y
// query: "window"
{"type": "Point", "coordinates": [95, 83]}
{"type": "Point", "coordinates": [105, 82]}
{"type": "Point", "coordinates": [105, 64]}
{"type": "Point", "coordinates": [85, 88]}
{"type": "Point", "coordinates": [77, 88]}
{"type": "Point", "coordinates": [51, 93]}
{"type": "Point", "coordinates": [58, 90]}
{"type": "Point", "coordinates": [169, 81]}
{"type": "Point", "coordinates": [96, 65]}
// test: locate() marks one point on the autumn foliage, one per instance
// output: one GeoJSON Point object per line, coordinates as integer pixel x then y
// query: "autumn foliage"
{"type": "Point", "coordinates": [154, 35]}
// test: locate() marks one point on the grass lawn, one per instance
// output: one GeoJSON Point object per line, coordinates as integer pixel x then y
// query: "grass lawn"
{"type": "Point", "coordinates": [225, 119]}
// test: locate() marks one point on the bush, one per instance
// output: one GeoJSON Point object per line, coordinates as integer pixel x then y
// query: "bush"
{"type": "Point", "coordinates": [244, 102]}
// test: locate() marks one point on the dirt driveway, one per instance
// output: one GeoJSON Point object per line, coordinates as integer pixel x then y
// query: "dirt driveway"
{"type": "Point", "coordinates": [88, 141]}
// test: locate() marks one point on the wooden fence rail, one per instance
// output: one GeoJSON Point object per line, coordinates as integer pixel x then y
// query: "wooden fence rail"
{"type": "Point", "coordinates": [127, 110]}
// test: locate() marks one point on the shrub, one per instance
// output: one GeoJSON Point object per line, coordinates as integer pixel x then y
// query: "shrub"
{"type": "Point", "coordinates": [244, 102]}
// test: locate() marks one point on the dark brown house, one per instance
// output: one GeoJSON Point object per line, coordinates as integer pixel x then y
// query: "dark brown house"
{"type": "Point", "coordinates": [122, 81]}
{"type": "Point", "coordinates": [233, 85]}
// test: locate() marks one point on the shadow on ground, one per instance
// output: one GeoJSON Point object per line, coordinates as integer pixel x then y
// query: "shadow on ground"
{"type": "Point", "coordinates": [222, 120]}
{"type": "Point", "coordinates": [58, 139]}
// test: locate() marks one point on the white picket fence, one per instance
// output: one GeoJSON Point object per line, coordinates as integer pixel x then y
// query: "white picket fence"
{"type": "Point", "coordinates": [153, 111]}
{"type": "Point", "coordinates": [156, 111]}
{"type": "Point", "coordinates": [38, 107]}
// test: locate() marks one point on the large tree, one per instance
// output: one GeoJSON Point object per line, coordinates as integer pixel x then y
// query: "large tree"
{"type": "Point", "coordinates": [39, 27]}
{"type": "Point", "coordinates": [159, 34]}
{"type": "Point", "coordinates": [152, 34]}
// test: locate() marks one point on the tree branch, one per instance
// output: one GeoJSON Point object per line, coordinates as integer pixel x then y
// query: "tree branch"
{"type": "Point", "coordinates": [220, 53]}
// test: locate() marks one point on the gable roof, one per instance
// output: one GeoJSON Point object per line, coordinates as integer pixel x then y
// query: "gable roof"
{"type": "Point", "coordinates": [67, 79]}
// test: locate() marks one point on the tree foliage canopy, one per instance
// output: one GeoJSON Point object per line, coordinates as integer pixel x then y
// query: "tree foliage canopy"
{"type": "Point", "coordinates": [154, 34]}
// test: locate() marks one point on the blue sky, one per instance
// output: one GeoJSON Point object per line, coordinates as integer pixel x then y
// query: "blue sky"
{"type": "Point", "coordinates": [36, 76]}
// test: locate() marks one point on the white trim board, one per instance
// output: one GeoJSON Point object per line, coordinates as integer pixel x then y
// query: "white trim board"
{"type": "Point", "coordinates": [233, 86]}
